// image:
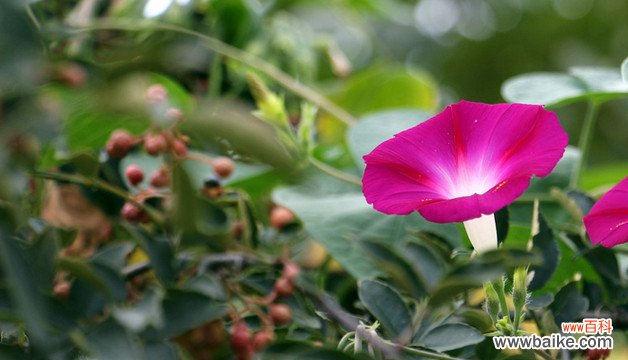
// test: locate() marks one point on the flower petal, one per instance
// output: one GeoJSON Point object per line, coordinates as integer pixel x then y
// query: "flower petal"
{"type": "Point", "coordinates": [607, 222]}
{"type": "Point", "coordinates": [470, 159]}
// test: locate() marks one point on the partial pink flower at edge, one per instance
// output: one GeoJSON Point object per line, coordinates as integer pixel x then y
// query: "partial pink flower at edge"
{"type": "Point", "coordinates": [470, 160]}
{"type": "Point", "coordinates": [607, 222]}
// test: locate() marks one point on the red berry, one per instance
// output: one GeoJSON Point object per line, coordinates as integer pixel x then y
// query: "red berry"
{"type": "Point", "coordinates": [179, 147]}
{"type": "Point", "coordinates": [280, 217]}
{"type": "Point", "coordinates": [262, 339]}
{"type": "Point", "coordinates": [131, 212]}
{"type": "Point", "coordinates": [223, 166]}
{"type": "Point", "coordinates": [240, 336]}
{"type": "Point", "coordinates": [291, 270]}
{"type": "Point", "coordinates": [134, 174]}
{"type": "Point", "coordinates": [119, 144]}
{"type": "Point", "coordinates": [155, 144]}
{"type": "Point", "coordinates": [280, 313]}
{"type": "Point", "coordinates": [283, 287]}
{"type": "Point", "coordinates": [160, 178]}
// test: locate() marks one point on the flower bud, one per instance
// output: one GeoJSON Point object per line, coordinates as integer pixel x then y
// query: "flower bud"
{"type": "Point", "coordinates": [519, 288]}
{"type": "Point", "coordinates": [492, 301]}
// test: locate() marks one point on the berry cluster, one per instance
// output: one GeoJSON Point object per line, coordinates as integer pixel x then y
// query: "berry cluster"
{"type": "Point", "coordinates": [170, 144]}
{"type": "Point", "coordinates": [597, 354]}
{"type": "Point", "coordinates": [244, 342]}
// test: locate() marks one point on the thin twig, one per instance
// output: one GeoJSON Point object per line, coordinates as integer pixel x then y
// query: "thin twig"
{"type": "Point", "coordinates": [330, 170]}
{"type": "Point", "coordinates": [234, 53]}
{"type": "Point", "coordinates": [99, 184]}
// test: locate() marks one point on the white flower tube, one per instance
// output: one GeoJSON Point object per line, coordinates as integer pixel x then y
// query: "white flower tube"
{"type": "Point", "coordinates": [482, 232]}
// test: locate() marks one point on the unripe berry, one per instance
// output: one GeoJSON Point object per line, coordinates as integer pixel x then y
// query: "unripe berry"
{"type": "Point", "coordinates": [174, 114]}
{"type": "Point", "coordinates": [280, 217]}
{"type": "Point", "coordinates": [73, 74]}
{"type": "Point", "coordinates": [156, 93]}
{"type": "Point", "coordinates": [179, 147]}
{"type": "Point", "coordinates": [280, 313]}
{"type": "Point", "coordinates": [131, 212]}
{"type": "Point", "coordinates": [119, 144]}
{"type": "Point", "coordinates": [283, 287]}
{"type": "Point", "coordinates": [240, 338]}
{"type": "Point", "coordinates": [134, 174]}
{"type": "Point", "coordinates": [155, 144]}
{"type": "Point", "coordinates": [223, 166]}
{"type": "Point", "coordinates": [262, 339]}
{"type": "Point", "coordinates": [291, 270]}
{"type": "Point", "coordinates": [160, 178]}
{"type": "Point", "coordinates": [61, 290]}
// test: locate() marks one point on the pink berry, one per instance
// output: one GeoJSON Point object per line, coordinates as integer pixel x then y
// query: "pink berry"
{"type": "Point", "coordinates": [291, 270]}
{"type": "Point", "coordinates": [283, 287]}
{"type": "Point", "coordinates": [156, 94]}
{"type": "Point", "coordinates": [131, 212]}
{"type": "Point", "coordinates": [223, 166]}
{"type": "Point", "coordinates": [119, 143]}
{"type": "Point", "coordinates": [134, 174]}
{"type": "Point", "coordinates": [179, 147]}
{"type": "Point", "coordinates": [280, 313]}
{"type": "Point", "coordinates": [155, 144]}
{"type": "Point", "coordinates": [160, 178]}
{"type": "Point", "coordinates": [280, 217]}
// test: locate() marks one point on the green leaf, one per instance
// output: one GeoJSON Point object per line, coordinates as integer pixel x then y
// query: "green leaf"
{"type": "Point", "coordinates": [425, 261]}
{"type": "Point", "coordinates": [184, 310]}
{"type": "Point", "coordinates": [568, 303]}
{"type": "Point", "coordinates": [554, 89]}
{"type": "Point", "coordinates": [147, 312]}
{"type": "Point", "coordinates": [542, 88]}
{"type": "Point", "coordinates": [79, 128]}
{"type": "Point", "coordinates": [375, 128]}
{"type": "Point", "coordinates": [160, 251]}
{"type": "Point", "coordinates": [386, 305]}
{"type": "Point", "coordinates": [109, 340]}
{"type": "Point", "coordinates": [82, 269]}
{"type": "Point", "coordinates": [397, 267]}
{"type": "Point", "coordinates": [604, 176]}
{"type": "Point", "coordinates": [336, 214]}
{"type": "Point", "coordinates": [546, 245]}
{"type": "Point", "coordinates": [27, 271]}
{"type": "Point", "coordinates": [386, 87]}
{"type": "Point", "coordinates": [569, 264]}
{"type": "Point", "coordinates": [451, 336]}
{"type": "Point", "coordinates": [480, 269]}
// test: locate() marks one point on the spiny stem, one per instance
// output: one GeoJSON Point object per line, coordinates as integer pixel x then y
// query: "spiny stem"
{"type": "Point", "coordinates": [330, 170]}
{"type": "Point", "coordinates": [584, 143]}
{"type": "Point", "coordinates": [234, 53]}
{"type": "Point", "coordinates": [543, 354]}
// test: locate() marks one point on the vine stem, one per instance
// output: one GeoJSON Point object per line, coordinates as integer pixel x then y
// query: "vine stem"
{"type": "Point", "coordinates": [233, 53]}
{"type": "Point", "coordinates": [332, 171]}
{"type": "Point", "coordinates": [584, 143]}
{"type": "Point", "coordinates": [97, 183]}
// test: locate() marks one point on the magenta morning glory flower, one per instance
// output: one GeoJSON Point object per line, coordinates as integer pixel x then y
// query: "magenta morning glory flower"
{"type": "Point", "coordinates": [607, 222]}
{"type": "Point", "coordinates": [464, 164]}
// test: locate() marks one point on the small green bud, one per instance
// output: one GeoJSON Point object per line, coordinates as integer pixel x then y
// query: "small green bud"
{"type": "Point", "coordinates": [520, 288]}
{"type": "Point", "coordinates": [492, 301]}
{"type": "Point", "coordinates": [271, 107]}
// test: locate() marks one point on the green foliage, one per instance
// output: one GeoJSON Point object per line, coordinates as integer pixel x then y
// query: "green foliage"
{"type": "Point", "coordinates": [276, 239]}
